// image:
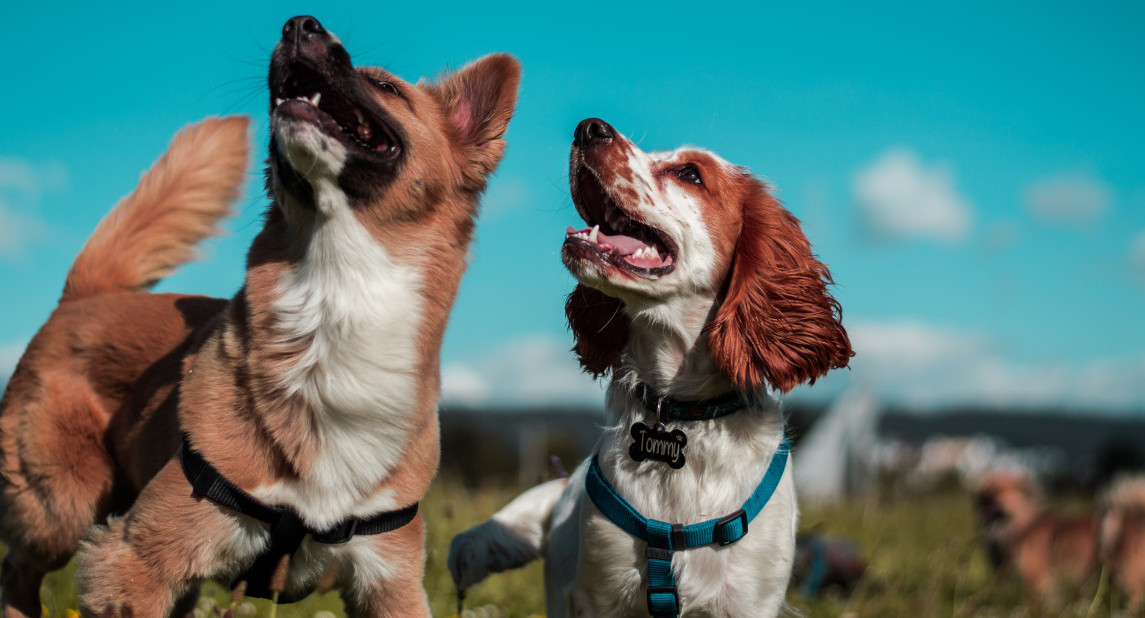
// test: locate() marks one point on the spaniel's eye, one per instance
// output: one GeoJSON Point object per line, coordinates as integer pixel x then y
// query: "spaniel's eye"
{"type": "Point", "coordinates": [689, 173]}
{"type": "Point", "coordinates": [384, 86]}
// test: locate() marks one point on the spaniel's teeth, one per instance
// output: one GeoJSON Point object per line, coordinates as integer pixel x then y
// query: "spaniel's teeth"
{"type": "Point", "coordinates": [593, 235]}
{"type": "Point", "coordinates": [652, 253]}
{"type": "Point", "coordinates": [278, 102]}
{"type": "Point", "coordinates": [314, 100]}
{"type": "Point", "coordinates": [361, 118]}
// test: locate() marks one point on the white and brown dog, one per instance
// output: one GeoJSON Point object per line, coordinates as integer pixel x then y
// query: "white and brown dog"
{"type": "Point", "coordinates": [700, 295]}
{"type": "Point", "coordinates": [306, 405]}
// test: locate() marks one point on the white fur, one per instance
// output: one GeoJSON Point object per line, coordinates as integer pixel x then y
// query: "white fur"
{"type": "Point", "coordinates": [311, 152]}
{"type": "Point", "coordinates": [592, 567]}
{"type": "Point", "coordinates": [360, 312]}
{"type": "Point", "coordinates": [359, 558]}
{"type": "Point", "coordinates": [511, 538]}
{"type": "Point", "coordinates": [677, 212]}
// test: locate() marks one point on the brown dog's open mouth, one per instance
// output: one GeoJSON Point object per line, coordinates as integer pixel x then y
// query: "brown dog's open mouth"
{"type": "Point", "coordinates": [615, 236]}
{"type": "Point", "coordinates": [305, 94]}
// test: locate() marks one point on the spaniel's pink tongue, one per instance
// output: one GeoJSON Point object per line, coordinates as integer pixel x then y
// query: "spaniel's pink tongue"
{"type": "Point", "coordinates": [624, 245]}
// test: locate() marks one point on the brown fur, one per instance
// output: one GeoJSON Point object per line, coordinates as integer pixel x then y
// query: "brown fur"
{"type": "Point", "coordinates": [782, 329]}
{"type": "Point", "coordinates": [1048, 552]}
{"type": "Point", "coordinates": [87, 416]}
{"type": "Point", "coordinates": [1123, 537]}
{"type": "Point", "coordinates": [92, 416]}
{"type": "Point", "coordinates": [600, 328]}
{"type": "Point", "coordinates": [155, 228]}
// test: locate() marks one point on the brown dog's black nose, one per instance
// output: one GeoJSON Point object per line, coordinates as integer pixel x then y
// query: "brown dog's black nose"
{"type": "Point", "coordinates": [304, 38]}
{"type": "Point", "coordinates": [302, 28]}
{"type": "Point", "coordinates": [591, 131]}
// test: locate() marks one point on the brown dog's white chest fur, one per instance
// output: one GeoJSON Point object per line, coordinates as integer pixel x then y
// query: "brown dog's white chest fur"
{"type": "Point", "coordinates": [359, 313]}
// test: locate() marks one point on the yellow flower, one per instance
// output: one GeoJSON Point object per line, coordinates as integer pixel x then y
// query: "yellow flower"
{"type": "Point", "coordinates": [71, 613]}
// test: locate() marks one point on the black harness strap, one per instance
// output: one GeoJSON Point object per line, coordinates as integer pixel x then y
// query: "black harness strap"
{"type": "Point", "coordinates": [287, 530]}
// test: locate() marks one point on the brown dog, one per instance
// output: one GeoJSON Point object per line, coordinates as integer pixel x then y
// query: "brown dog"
{"type": "Point", "coordinates": [1046, 551]}
{"type": "Point", "coordinates": [307, 403]}
{"type": "Point", "coordinates": [1123, 537]}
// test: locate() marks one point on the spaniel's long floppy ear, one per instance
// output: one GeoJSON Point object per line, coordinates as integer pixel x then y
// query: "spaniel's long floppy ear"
{"type": "Point", "coordinates": [478, 101]}
{"type": "Point", "coordinates": [600, 328]}
{"type": "Point", "coordinates": [776, 324]}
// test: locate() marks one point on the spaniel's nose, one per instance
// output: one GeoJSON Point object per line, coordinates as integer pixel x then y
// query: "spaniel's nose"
{"type": "Point", "coordinates": [592, 131]}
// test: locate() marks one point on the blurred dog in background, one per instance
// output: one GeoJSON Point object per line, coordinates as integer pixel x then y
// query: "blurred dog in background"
{"type": "Point", "coordinates": [1050, 552]}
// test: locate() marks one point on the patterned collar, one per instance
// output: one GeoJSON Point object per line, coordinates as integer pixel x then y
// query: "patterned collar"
{"type": "Point", "coordinates": [669, 409]}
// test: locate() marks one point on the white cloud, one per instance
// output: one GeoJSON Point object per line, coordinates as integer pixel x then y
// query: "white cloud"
{"type": "Point", "coordinates": [531, 370]}
{"type": "Point", "coordinates": [902, 362]}
{"type": "Point", "coordinates": [22, 186]}
{"type": "Point", "coordinates": [17, 230]}
{"type": "Point", "coordinates": [913, 344]}
{"type": "Point", "coordinates": [899, 198]}
{"type": "Point", "coordinates": [1069, 198]}
{"type": "Point", "coordinates": [928, 367]}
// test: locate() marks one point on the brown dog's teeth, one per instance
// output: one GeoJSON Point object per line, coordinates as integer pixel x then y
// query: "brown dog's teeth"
{"type": "Point", "coordinates": [365, 132]}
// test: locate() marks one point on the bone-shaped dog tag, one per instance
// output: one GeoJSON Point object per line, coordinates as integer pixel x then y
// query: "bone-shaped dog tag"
{"type": "Point", "coordinates": [658, 445]}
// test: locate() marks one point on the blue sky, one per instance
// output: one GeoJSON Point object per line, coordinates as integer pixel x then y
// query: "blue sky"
{"type": "Point", "coordinates": [972, 173]}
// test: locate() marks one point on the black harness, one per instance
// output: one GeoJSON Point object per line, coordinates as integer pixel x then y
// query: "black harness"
{"type": "Point", "coordinates": [287, 530]}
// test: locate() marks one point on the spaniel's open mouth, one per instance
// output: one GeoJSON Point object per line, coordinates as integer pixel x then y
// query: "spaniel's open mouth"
{"type": "Point", "coordinates": [616, 236]}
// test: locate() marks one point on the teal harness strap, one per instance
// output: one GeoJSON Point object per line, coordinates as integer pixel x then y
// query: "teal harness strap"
{"type": "Point", "coordinates": [664, 538]}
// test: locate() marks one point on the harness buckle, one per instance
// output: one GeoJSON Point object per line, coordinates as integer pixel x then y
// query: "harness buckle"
{"type": "Point", "coordinates": [655, 553]}
{"type": "Point", "coordinates": [658, 599]}
{"type": "Point", "coordinates": [723, 535]}
{"type": "Point", "coordinates": [340, 534]}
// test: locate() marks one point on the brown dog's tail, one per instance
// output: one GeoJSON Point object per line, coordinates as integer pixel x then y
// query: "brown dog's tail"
{"type": "Point", "coordinates": [177, 203]}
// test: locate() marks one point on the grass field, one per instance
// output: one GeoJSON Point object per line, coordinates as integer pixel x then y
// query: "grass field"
{"type": "Point", "coordinates": [924, 561]}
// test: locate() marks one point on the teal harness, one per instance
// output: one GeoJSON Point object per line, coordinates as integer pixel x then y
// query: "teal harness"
{"type": "Point", "coordinates": [664, 538]}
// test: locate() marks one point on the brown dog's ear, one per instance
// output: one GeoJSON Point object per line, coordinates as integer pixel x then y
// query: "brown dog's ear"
{"type": "Point", "coordinates": [478, 102]}
{"type": "Point", "coordinates": [777, 324]}
{"type": "Point", "coordinates": [600, 328]}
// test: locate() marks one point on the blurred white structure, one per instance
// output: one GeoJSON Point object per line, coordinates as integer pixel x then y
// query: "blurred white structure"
{"type": "Point", "coordinates": [969, 459]}
{"type": "Point", "coordinates": [835, 458]}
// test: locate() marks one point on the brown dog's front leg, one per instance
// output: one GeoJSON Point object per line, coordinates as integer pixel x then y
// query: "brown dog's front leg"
{"type": "Point", "coordinates": [167, 544]}
{"type": "Point", "coordinates": [400, 555]}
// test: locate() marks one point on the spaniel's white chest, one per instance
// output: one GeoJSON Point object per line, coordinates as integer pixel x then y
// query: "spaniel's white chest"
{"type": "Point", "coordinates": [746, 578]}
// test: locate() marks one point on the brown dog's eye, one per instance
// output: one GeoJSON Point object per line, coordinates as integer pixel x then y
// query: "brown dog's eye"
{"type": "Point", "coordinates": [384, 86]}
{"type": "Point", "coordinates": [690, 173]}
